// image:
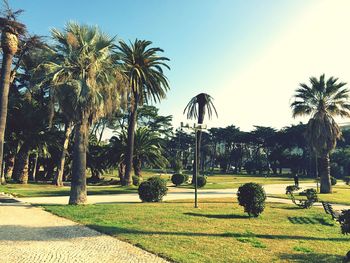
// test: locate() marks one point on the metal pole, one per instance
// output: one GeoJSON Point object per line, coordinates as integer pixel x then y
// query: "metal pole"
{"type": "Point", "coordinates": [196, 173]}
{"type": "Point", "coordinates": [316, 171]}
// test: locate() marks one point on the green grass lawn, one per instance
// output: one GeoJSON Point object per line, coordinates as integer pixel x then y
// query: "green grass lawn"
{"type": "Point", "coordinates": [44, 189]}
{"type": "Point", "coordinates": [234, 181]}
{"type": "Point", "coordinates": [340, 195]}
{"type": "Point", "coordinates": [217, 232]}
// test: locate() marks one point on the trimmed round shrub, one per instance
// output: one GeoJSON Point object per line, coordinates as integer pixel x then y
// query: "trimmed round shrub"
{"type": "Point", "coordinates": [333, 180]}
{"type": "Point", "coordinates": [252, 197]}
{"type": "Point", "coordinates": [136, 180]}
{"type": "Point", "coordinates": [152, 190]}
{"type": "Point", "coordinates": [201, 181]}
{"type": "Point", "coordinates": [346, 179]}
{"type": "Point", "coordinates": [177, 179]}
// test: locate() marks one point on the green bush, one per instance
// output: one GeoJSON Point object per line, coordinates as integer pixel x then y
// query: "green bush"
{"type": "Point", "coordinates": [344, 220]}
{"type": "Point", "coordinates": [201, 181]}
{"type": "Point", "coordinates": [291, 188]}
{"type": "Point", "coordinates": [311, 197]}
{"type": "Point", "coordinates": [333, 180]}
{"type": "Point", "coordinates": [152, 190]}
{"type": "Point", "coordinates": [252, 197]}
{"type": "Point", "coordinates": [347, 180]}
{"type": "Point", "coordinates": [178, 179]}
{"type": "Point", "coordinates": [136, 180]}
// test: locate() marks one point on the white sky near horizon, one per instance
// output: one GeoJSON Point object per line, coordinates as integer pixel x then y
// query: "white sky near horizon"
{"type": "Point", "coordinates": [316, 41]}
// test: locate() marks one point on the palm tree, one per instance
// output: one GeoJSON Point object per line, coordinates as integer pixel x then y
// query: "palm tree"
{"type": "Point", "coordinates": [196, 109]}
{"type": "Point", "coordinates": [83, 79]}
{"type": "Point", "coordinates": [143, 69]}
{"type": "Point", "coordinates": [323, 100]}
{"type": "Point", "coordinates": [148, 148]}
{"type": "Point", "coordinates": [10, 30]}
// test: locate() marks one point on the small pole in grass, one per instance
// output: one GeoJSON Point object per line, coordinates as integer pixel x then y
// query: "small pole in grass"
{"type": "Point", "coordinates": [195, 128]}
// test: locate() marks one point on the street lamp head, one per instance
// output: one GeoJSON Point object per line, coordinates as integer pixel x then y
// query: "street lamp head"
{"type": "Point", "coordinates": [200, 126]}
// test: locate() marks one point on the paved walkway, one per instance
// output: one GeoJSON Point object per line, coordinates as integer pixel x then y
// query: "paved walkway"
{"type": "Point", "coordinates": [30, 235]}
{"type": "Point", "coordinates": [175, 194]}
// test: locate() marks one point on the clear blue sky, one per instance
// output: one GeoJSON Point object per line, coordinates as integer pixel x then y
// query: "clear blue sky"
{"type": "Point", "coordinates": [209, 42]}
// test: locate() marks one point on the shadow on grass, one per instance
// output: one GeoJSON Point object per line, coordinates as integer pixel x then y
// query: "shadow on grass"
{"type": "Point", "coordinates": [302, 220]}
{"type": "Point", "coordinates": [227, 216]}
{"type": "Point", "coordinates": [114, 230]}
{"type": "Point", "coordinates": [312, 257]}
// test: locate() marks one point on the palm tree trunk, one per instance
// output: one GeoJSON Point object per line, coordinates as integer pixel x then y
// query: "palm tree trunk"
{"type": "Point", "coordinates": [4, 93]}
{"type": "Point", "coordinates": [121, 172]}
{"type": "Point", "coordinates": [78, 193]}
{"type": "Point", "coordinates": [20, 169]}
{"type": "Point", "coordinates": [130, 143]}
{"type": "Point", "coordinates": [9, 167]}
{"type": "Point", "coordinates": [35, 166]}
{"type": "Point", "coordinates": [201, 112]}
{"type": "Point", "coordinates": [58, 180]}
{"type": "Point", "coordinates": [137, 166]}
{"type": "Point", "coordinates": [326, 186]}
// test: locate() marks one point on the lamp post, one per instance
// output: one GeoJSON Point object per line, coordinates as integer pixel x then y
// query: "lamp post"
{"type": "Point", "coordinates": [196, 127]}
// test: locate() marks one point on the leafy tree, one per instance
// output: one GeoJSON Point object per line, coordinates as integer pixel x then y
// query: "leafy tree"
{"type": "Point", "coordinates": [322, 100]}
{"type": "Point", "coordinates": [143, 69]}
{"type": "Point", "coordinates": [83, 77]}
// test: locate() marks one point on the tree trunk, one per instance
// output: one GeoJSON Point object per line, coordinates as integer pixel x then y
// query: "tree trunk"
{"type": "Point", "coordinates": [20, 169]}
{"type": "Point", "coordinates": [201, 113]}
{"type": "Point", "coordinates": [4, 93]}
{"type": "Point", "coordinates": [326, 186]}
{"type": "Point", "coordinates": [137, 166]}
{"type": "Point", "coordinates": [9, 167]}
{"type": "Point", "coordinates": [33, 169]}
{"type": "Point", "coordinates": [58, 180]}
{"type": "Point", "coordinates": [130, 143]}
{"type": "Point", "coordinates": [121, 171]}
{"type": "Point", "coordinates": [78, 193]}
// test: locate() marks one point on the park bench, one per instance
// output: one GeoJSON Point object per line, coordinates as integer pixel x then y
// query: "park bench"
{"type": "Point", "coordinates": [329, 210]}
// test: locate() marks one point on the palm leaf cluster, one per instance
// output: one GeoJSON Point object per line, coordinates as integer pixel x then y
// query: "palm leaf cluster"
{"type": "Point", "coordinates": [201, 101]}
{"type": "Point", "coordinates": [329, 96]}
{"type": "Point", "coordinates": [143, 69]}
{"type": "Point", "coordinates": [82, 72]}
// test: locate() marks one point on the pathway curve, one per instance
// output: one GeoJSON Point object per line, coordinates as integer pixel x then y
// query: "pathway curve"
{"type": "Point", "coordinates": [29, 234]}
{"type": "Point", "coordinates": [175, 193]}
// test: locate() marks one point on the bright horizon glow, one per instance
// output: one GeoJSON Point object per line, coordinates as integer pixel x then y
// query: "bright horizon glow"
{"type": "Point", "coordinates": [250, 56]}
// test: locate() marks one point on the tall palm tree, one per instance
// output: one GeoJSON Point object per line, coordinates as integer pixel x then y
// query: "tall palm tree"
{"type": "Point", "coordinates": [143, 69]}
{"type": "Point", "coordinates": [10, 31]}
{"type": "Point", "coordinates": [323, 100]}
{"type": "Point", "coordinates": [196, 109]}
{"type": "Point", "coordinates": [83, 79]}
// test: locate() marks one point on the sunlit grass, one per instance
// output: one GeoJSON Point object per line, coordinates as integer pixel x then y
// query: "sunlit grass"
{"type": "Point", "coordinates": [43, 189]}
{"type": "Point", "coordinates": [217, 232]}
{"type": "Point", "coordinates": [340, 195]}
